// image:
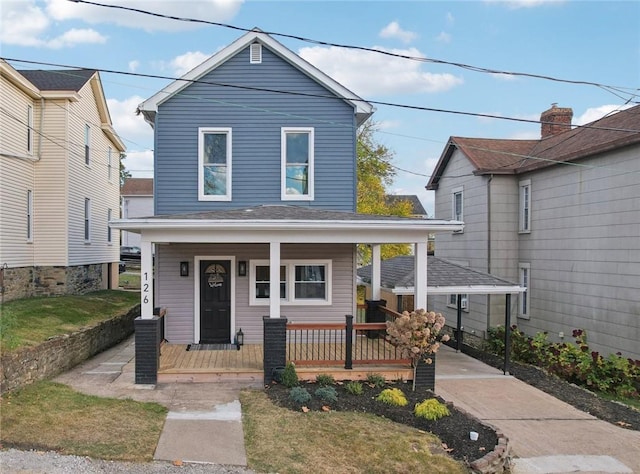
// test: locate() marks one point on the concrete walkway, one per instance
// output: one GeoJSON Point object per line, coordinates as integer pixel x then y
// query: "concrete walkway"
{"type": "Point", "coordinates": [204, 423]}
{"type": "Point", "coordinates": [546, 435]}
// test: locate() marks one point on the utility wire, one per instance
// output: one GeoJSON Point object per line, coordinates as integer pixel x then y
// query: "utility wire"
{"type": "Point", "coordinates": [307, 94]}
{"type": "Point", "coordinates": [609, 88]}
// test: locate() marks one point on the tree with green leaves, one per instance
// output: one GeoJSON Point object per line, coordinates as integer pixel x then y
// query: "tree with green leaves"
{"type": "Point", "coordinates": [375, 174]}
{"type": "Point", "coordinates": [124, 174]}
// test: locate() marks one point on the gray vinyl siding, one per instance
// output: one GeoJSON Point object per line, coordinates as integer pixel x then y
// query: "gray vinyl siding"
{"type": "Point", "coordinates": [584, 252]}
{"type": "Point", "coordinates": [177, 293]}
{"type": "Point", "coordinates": [256, 118]}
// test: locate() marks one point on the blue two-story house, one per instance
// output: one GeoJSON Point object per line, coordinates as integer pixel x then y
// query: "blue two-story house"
{"type": "Point", "coordinates": [255, 176]}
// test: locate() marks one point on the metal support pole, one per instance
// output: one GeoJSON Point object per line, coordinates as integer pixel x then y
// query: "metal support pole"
{"type": "Point", "coordinates": [507, 333]}
{"type": "Point", "coordinates": [348, 357]}
{"type": "Point", "coordinates": [459, 326]}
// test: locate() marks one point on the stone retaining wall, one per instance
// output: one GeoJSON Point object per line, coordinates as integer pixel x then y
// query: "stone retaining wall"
{"type": "Point", "coordinates": [61, 353]}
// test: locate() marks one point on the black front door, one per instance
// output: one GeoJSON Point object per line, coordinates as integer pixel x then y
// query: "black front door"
{"type": "Point", "coordinates": [215, 302]}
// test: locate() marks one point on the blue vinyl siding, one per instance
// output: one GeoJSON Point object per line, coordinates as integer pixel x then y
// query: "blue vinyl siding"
{"type": "Point", "coordinates": [256, 118]}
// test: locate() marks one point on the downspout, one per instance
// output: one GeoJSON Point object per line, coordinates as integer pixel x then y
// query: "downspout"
{"type": "Point", "coordinates": [489, 247]}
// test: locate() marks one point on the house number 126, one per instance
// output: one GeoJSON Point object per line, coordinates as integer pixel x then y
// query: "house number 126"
{"type": "Point", "coordinates": [145, 289]}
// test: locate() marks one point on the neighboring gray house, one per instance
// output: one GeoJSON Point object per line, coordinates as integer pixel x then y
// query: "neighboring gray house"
{"type": "Point", "coordinates": [136, 195]}
{"type": "Point", "coordinates": [561, 215]}
{"type": "Point", "coordinates": [255, 176]}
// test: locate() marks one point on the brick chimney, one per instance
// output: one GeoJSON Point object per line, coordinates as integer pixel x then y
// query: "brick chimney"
{"type": "Point", "coordinates": [555, 120]}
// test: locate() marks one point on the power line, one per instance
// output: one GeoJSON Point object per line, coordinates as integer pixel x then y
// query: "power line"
{"type": "Point", "coordinates": [608, 88]}
{"type": "Point", "coordinates": [308, 94]}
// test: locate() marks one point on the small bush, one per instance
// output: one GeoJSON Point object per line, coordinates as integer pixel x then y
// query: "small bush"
{"type": "Point", "coordinates": [376, 380]}
{"type": "Point", "coordinates": [289, 376]}
{"type": "Point", "coordinates": [354, 388]}
{"type": "Point", "coordinates": [392, 396]}
{"type": "Point", "coordinates": [300, 395]}
{"type": "Point", "coordinates": [431, 409]}
{"type": "Point", "coordinates": [325, 380]}
{"type": "Point", "coordinates": [327, 394]}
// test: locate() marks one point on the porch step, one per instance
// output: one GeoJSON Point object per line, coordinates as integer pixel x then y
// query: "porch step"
{"type": "Point", "coordinates": [250, 377]}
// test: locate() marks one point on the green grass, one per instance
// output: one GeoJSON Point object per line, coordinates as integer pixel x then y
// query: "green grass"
{"type": "Point", "coordinates": [632, 402]}
{"type": "Point", "coordinates": [129, 280]}
{"type": "Point", "coordinates": [30, 321]}
{"type": "Point", "coordinates": [52, 416]}
{"type": "Point", "coordinates": [280, 440]}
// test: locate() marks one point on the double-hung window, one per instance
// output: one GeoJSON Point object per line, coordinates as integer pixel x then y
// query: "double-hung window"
{"type": "Point", "coordinates": [214, 164]}
{"type": "Point", "coordinates": [457, 204]}
{"type": "Point", "coordinates": [524, 270]}
{"type": "Point", "coordinates": [87, 220]}
{"type": "Point", "coordinates": [525, 206]}
{"type": "Point", "coordinates": [29, 215]}
{"type": "Point", "coordinates": [302, 282]}
{"type": "Point", "coordinates": [109, 238]}
{"type": "Point", "coordinates": [109, 163]}
{"type": "Point", "coordinates": [87, 145]}
{"type": "Point", "coordinates": [29, 129]}
{"type": "Point", "coordinates": [297, 171]}
{"type": "Point", "coordinates": [464, 302]}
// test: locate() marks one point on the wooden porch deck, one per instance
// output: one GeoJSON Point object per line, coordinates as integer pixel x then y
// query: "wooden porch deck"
{"type": "Point", "coordinates": [246, 365]}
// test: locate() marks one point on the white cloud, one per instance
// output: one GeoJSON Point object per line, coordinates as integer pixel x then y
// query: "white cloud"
{"type": "Point", "coordinates": [368, 73]}
{"type": "Point", "coordinates": [443, 37]}
{"type": "Point", "coordinates": [139, 163]}
{"type": "Point", "coordinates": [208, 10]}
{"type": "Point", "coordinates": [180, 65]}
{"type": "Point", "coordinates": [75, 36]}
{"type": "Point", "coordinates": [504, 77]}
{"type": "Point", "coordinates": [393, 30]}
{"type": "Point", "coordinates": [134, 131]}
{"type": "Point", "coordinates": [450, 19]}
{"type": "Point", "coordinates": [515, 4]}
{"type": "Point", "coordinates": [595, 113]}
{"type": "Point", "coordinates": [134, 65]}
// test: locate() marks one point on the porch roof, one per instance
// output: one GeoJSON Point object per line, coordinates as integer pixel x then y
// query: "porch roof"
{"type": "Point", "coordinates": [443, 277]}
{"type": "Point", "coordinates": [290, 223]}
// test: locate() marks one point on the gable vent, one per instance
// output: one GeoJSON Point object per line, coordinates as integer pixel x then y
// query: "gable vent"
{"type": "Point", "coordinates": [256, 53]}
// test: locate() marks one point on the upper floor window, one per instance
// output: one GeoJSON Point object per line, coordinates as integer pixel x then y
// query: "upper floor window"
{"type": "Point", "coordinates": [87, 144]}
{"type": "Point", "coordinates": [214, 164]}
{"type": "Point", "coordinates": [524, 269]}
{"type": "Point", "coordinates": [29, 215]}
{"type": "Point", "coordinates": [525, 206]}
{"type": "Point", "coordinates": [29, 129]}
{"type": "Point", "coordinates": [109, 163]}
{"type": "Point", "coordinates": [297, 164]}
{"type": "Point", "coordinates": [87, 220]}
{"type": "Point", "coordinates": [109, 237]}
{"type": "Point", "coordinates": [302, 282]}
{"type": "Point", "coordinates": [457, 203]}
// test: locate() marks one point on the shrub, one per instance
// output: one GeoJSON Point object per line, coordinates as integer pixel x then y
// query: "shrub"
{"type": "Point", "coordinates": [354, 388]}
{"type": "Point", "coordinates": [392, 396]}
{"type": "Point", "coordinates": [376, 380]}
{"type": "Point", "coordinates": [327, 394]}
{"type": "Point", "coordinates": [417, 334]}
{"type": "Point", "coordinates": [431, 409]}
{"type": "Point", "coordinates": [300, 395]}
{"type": "Point", "coordinates": [325, 380]}
{"type": "Point", "coordinates": [289, 376]}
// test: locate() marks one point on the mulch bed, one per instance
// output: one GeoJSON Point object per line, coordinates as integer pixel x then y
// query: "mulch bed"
{"type": "Point", "coordinates": [453, 430]}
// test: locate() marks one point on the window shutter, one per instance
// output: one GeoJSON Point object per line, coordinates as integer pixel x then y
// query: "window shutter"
{"type": "Point", "coordinates": [255, 56]}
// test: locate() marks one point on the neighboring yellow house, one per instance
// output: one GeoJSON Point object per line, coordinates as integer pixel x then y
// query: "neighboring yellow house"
{"type": "Point", "coordinates": [59, 183]}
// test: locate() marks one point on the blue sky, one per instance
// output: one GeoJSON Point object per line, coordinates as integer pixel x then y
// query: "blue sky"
{"type": "Point", "coordinates": [576, 40]}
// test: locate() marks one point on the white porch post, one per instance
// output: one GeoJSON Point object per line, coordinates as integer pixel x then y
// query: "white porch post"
{"type": "Point", "coordinates": [420, 279]}
{"type": "Point", "coordinates": [146, 279]}
{"type": "Point", "coordinates": [274, 280]}
{"type": "Point", "coordinates": [375, 272]}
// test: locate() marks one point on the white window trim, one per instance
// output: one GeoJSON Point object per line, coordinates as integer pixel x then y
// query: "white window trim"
{"type": "Point", "coordinates": [454, 192]}
{"type": "Point", "coordinates": [29, 129]}
{"type": "Point", "coordinates": [86, 228]}
{"type": "Point", "coordinates": [524, 227]}
{"type": "Point", "coordinates": [283, 165]}
{"type": "Point", "coordinates": [524, 312]}
{"type": "Point", "coordinates": [109, 229]}
{"type": "Point", "coordinates": [29, 216]}
{"type": "Point", "coordinates": [110, 164]}
{"type": "Point", "coordinates": [201, 132]}
{"type": "Point", "coordinates": [87, 145]}
{"type": "Point", "coordinates": [291, 274]}
{"type": "Point", "coordinates": [465, 302]}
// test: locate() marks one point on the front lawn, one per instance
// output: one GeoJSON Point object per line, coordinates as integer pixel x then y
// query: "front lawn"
{"type": "Point", "coordinates": [30, 321]}
{"type": "Point", "coordinates": [50, 416]}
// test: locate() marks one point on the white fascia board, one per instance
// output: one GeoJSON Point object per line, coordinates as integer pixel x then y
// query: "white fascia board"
{"type": "Point", "coordinates": [468, 290]}
{"type": "Point", "coordinates": [362, 108]}
{"type": "Point", "coordinates": [71, 96]}
{"type": "Point", "coordinates": [19, 80]}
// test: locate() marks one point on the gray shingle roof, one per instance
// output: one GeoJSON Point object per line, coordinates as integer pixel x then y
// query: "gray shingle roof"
{"type": "Point", "coordinates": [280, 212]}
{"type": "Point", "coordinates": [398, 272]}
{"type": "Point", "coordinates": [58, 80]}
